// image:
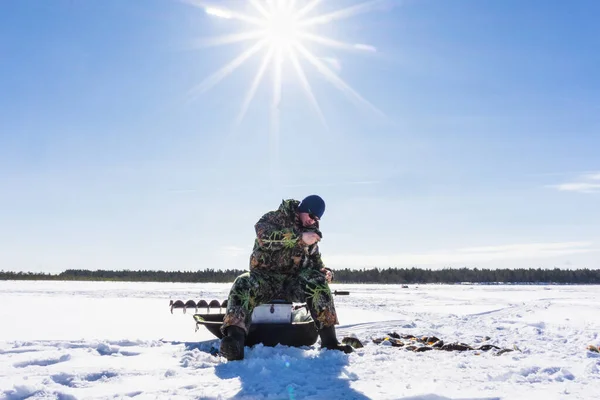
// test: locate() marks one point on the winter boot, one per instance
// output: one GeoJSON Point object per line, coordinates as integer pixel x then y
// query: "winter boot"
{"type": "Point", "coordinates": [232, 345]}
{"type": "Point", "coordinates": [329, 341]}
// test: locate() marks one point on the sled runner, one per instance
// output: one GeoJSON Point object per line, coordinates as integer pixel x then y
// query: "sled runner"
{"type": "Point", "coordinates": [276, 322]}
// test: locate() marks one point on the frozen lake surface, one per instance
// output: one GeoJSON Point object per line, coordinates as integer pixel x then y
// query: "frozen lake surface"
{"type": "Point", "coordinates": [100, 340]}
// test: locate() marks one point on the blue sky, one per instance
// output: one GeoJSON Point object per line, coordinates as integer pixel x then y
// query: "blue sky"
{"type": "Point", "coordinates": [485, 153]}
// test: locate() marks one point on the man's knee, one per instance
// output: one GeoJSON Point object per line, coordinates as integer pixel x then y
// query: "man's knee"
{"type": "Point", "coordinates": [241, 278]}
{"type": "Point", "coordinates": [244, 283]}
{"type": "Point", "coordinates": [313, 276]}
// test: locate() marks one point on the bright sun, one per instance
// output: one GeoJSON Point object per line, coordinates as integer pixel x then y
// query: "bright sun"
{"type": "Point", "coordinates": [281, 30]}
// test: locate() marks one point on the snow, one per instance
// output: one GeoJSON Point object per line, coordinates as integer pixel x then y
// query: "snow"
{"type": "Point", "coordinates": [100, 340]}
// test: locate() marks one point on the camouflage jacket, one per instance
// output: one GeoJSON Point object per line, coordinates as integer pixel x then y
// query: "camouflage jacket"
{"type": "Point", "coordinates": [278, 246]}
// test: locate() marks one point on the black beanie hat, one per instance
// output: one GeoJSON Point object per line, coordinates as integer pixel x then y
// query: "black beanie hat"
{"type": "Point", "coordinates": [312, 204]}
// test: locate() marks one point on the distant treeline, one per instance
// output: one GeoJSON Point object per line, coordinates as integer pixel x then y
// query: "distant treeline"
{"type": "Point", "coordinates": [373, 275]}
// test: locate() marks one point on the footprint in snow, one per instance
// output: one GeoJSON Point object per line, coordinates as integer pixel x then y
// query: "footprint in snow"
{"type": "Point", "coordinates": [96, 376]}
{"type": "Point", "coordinates": [107, 350]}
{"type": "Point", "coordinates": [124, 343]}
{"type": "Point", "coordinates": [75, 381]}
{"type": "Point", "coordinates": [43, 362]}
{"type": "Point", "coordinates": [19, 351]}
{"type": "Point", "coordinates": [65, 380]}
{"type": "Point", "coordinates": [20, 392]}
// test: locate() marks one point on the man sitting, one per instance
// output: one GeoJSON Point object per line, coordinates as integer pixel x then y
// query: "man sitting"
{"type": "Point", "coordinates": [285, 264]}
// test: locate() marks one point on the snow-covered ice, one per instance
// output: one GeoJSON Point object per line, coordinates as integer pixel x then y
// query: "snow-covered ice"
{"type": "Point", "coordinates": [89, 340]}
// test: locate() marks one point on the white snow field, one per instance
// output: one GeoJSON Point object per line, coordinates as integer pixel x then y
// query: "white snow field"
{"type": "Point", "coordinates": [92, 340]}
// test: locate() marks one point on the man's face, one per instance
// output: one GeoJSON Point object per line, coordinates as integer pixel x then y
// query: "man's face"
{"type": "Point", "coordinates": [307, 219]}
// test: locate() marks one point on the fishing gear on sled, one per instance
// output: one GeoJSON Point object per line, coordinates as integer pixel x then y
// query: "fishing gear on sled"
{"type": "Point", "coordinates": [275, 322]}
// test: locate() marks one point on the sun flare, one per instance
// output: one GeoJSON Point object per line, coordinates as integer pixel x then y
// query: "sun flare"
{"type": "Point", "coordinates": [281, 30]}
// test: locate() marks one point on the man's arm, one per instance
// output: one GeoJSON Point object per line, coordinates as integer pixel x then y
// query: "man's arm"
{"type": "Point", "coordinates": [317, 263]}
{"type": "Point", "coordinates": [271, 235]}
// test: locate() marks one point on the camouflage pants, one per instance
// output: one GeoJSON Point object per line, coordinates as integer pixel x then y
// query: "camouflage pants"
{"type": "Point", "coordinates": [257, 287]}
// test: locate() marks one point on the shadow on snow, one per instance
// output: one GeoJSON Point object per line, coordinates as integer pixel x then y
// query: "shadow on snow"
{"type": "Point", "coordinates": [295, 373]}
{"type": "Point", "coordinates": [291, 373]}
{"type": "Point", "coordinates": [284, 372]}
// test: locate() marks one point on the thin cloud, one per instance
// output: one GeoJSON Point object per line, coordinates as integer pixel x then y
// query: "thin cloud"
{"type": "Point", "coordinates": [594, 176]}
{"type": "Point", "coordinates": [233, 251]}
{"type": "Point", "coordinates": [291, 185]}
{"type": "Point", "coordinates": [581, 187]}
{"type": "Point", "coordinates": [333, 184]}
{"type": "Point", "coordinates": [365, 47]}
{"type": "Point", "coordinates": [460, 257]}
{"type": "Point", "coordinates": [183, 191]}
{"type": "Point", "coordinates": [587, 183]}
{"type": "Point", "coordinates": [528, 247]}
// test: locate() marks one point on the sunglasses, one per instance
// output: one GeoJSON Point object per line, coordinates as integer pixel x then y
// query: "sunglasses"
{"type": "Point", "coordinates": [313, 216]}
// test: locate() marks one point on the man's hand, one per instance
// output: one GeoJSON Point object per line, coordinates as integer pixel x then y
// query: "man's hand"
{"type": "Point", "coordinates": [328, 274]}
{"type": "Point", "coordinates": [310, 238]}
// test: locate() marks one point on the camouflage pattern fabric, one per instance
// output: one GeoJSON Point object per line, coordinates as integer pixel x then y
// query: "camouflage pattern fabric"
{"type": "Point", "coordinates": [258, 287]}
{"type": "Point", "coordinates": [282, 267]}
{"type": "Point", "coordinates": [278, 246]}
